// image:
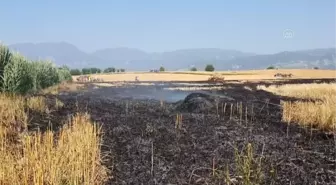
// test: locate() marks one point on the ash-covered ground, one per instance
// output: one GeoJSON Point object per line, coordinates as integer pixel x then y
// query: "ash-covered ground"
{"type": "Point", "coordinates": [148, 142]}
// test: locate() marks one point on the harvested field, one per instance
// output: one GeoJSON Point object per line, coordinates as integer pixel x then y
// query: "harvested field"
{"type": "Point", "coordinates": [204, 76]}
{"type": "Point", "coordinates": [229, 135]}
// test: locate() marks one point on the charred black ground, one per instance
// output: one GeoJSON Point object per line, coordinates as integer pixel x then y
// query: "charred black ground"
{"type": "Point", "coordinates": [145, 147]}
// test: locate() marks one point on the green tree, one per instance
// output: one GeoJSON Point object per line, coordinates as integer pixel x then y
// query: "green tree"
{"type": "Point", "coordinates": [86, 71]}
{"type": "Point", "coordinates": [122, 70]}
{"type": "Point", "coordinates": [94, 70]}
{"type": "Point", "coordinates": [209, 67]}
{"type": "Point", "coordinates": [75, 72]}
{"type": "Point", "coordinates": [193, 69]}
{"type": "Point", "coordinates": [162, 68]}
{"type": "Point", "coordinates": [271, 67]}
{"type": "Point", "coordinates": [109, 70]}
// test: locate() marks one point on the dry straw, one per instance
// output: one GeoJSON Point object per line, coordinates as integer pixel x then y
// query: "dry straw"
{"type": "Point", "coordinates": [71, 156]}
{"type": "Point", "coordinates": [317, 110]}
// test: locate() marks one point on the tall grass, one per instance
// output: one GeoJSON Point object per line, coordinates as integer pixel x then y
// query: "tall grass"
{"type": "Point", "coordinates": [13, 119]}
{"type": "Point", "coordinates": [320, 112]}
{"type": "Point", "coordinates": [37, 103]}
{"type": "Point", "coordinates": [248, 168]}
{"type": "Point", "coordinates": [5, 58]}
{"type": "Point", "coordinates": [72, 156]}
{"type": "Point", "coordinates": [20, 75]}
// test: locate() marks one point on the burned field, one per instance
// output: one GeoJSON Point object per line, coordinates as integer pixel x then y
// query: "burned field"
{"type": "Point", "coordinates": [231, 136]}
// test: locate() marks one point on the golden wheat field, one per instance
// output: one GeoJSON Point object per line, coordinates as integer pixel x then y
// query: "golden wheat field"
{"type": "Point", "coordinates": [70, 156]}
{"type": "Point", "coordinates": [202, 76]}
{"type": "Point", "coordinates": [317, 107]}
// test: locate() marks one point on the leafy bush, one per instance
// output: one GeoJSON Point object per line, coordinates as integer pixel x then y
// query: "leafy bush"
{"type": "Point", "coordinates": [162, 68]}
{"type": "Point", "coordinates": [122, 70]}
{"type": "Point", "coordinates": [209, 67]}
{"type": "Point", "coordinates": [64, 74]}
{"type": "Point", "coordinates": [271, 67]}
{"type": "Point", "coordinates": [46, 75]}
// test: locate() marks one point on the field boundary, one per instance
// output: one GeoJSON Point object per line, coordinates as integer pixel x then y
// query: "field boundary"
{"type": "Point", "coordinates": [263, 81]}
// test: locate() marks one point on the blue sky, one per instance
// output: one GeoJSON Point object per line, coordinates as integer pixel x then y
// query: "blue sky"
{"type": "Point", "coordinates": [165, 25]}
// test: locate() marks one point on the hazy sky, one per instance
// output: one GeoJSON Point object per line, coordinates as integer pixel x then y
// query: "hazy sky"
{"type": "Point", "coordinates": [164, 25]}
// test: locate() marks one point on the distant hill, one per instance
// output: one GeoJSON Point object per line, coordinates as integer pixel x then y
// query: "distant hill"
{"type": "Point", "coordinates": [135, 59]}
{"type": "Point", "coordinates": [63, 53]}
{"type": "Point", "coordinates": [128, 58]}
{"type": "Point", "coordinates": [322, 58]}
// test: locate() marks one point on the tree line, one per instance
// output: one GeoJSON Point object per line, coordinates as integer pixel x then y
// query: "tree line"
{"type": "Point", "coordinates": [208, 67]}
{"type": "Point", "coordinates": [94, 70]}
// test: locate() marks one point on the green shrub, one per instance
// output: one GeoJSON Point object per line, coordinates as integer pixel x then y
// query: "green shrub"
{"type": "Point", "coordinates": [18, 76]}
{"type": "Point", "coordinates": [193, 69]}
{"type": "Point", "coordinates": [64, 74]}
{"type": "Point", "coordinates": [47, 75]}
{"type": "Point", "coordinates": [162, 68]}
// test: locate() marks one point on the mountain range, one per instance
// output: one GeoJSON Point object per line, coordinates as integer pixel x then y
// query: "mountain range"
{"type": "Point", "coordinates": [131, 59]}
